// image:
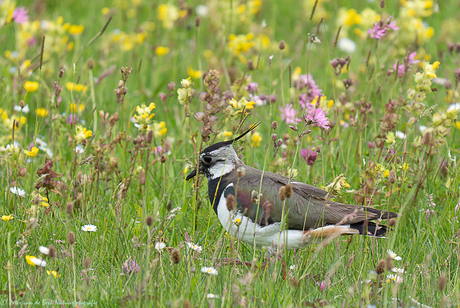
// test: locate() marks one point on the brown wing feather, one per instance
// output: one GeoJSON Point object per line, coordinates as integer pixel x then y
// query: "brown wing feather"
{"type": "Point", "coordinates": [307, 208]}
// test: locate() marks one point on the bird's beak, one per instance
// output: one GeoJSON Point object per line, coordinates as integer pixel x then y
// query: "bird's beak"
{"type": "Point", "coordinates": [191, 174]}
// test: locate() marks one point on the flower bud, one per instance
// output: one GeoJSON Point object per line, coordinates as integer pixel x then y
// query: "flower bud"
{"type": "Point", "coordinates": [392, 177]}
{"type": "Point", "coordinates": [282, 45]}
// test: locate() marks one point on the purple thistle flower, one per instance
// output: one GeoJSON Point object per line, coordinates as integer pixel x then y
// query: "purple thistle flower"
{"type": "Point", "coordinates": [72, 119]}
{"type": "Point", "coordinates": [130, 266]}
{"type": "Point", "coordinates": [252, 87]}
{"type": "Point", "coordinates": [20, 15]}
{"type": "Point", "coordinates": [377, 32]}
{"type": "Point", "coordinates": [309, 155]}
{"type": "Point", "coordinates": [402, 68]}
{"type": "Point", "coordinates": [312, 89]}
{"type": "Point", "coordinates": [288, 114]}
{"type": "Point", "coordinates": [380, 29]}
{"type": "Point", "coordinates": [317, 116]}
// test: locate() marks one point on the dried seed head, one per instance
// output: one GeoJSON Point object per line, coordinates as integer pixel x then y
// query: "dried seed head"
{"type": "Point", "coordinates": [288, 190]}
{"type": "Point", "coordinates": [197, 21]}
{"type": "Point", "coordinates": [379, 143]}
{"type": "Point", "coordinates": [380, 268]}
{"type": "Point", "coordinates": [282, 45]}
{"type": "Point", "coordinates": [86, 263]}
{"type": "Point", "coordinates": [71, 238]}
{"type": "Point", "coordinates": [241, 172]}
{"type": "Point", "coordinates": [169, 206]}
{"type": "Point", "coordinates": [274, 125]}
{"type": "Point", "coordinates": [282, 193]}
{"type": "Point", "coordinates": [176, 256]}
{"type": "Point", "coordinates": [22, 172]}
{"type": "Point", "coordinates": [141, 177]}
{"type": "Point", "coordinates": [388, 263]}
{"type": "Point", "coordinates": [382, 4]}
{"type": "Point", "coordinates": [52, 252]}
{"type": "Point", "coordinates": [90, 64]}
{"type": "Point", "coordinates": [162, 159]}
{"type": "Point", "coordinates": [149, 136]}
{"type": "Point", "coordinates": [69, 208]}
{"type": "Point", "coordinates": [113, 119]}
{"type": "Point", "coordinates": [442, 282]}
{"type": "Point", "coordinates": [392, 177]}
{"type": "Point", "coordinates": [392, 222]}
{"type": "Point", "coordinates": [21, 103]}
{"type": "Point", "coordinates": [149, 220]}
{"type": "Point", "coordinates": [250, 65]}
{"type": "Point", "coordinates": [230, 202]}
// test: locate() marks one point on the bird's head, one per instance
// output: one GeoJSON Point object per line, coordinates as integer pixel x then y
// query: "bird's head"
{"type": "Point", "coordinates": [218, 159]}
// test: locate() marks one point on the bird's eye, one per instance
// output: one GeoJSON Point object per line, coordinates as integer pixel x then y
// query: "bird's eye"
{"type": "Point", "coordinates": [207, 159]}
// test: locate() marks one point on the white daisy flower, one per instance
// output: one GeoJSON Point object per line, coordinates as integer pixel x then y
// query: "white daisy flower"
{"type": "Point", "coordinates": [24, 109]}
{"type": "Point", "coordinates": [209, 270]}
{"type": "Point", "coordinates": [292, 267]}
{"type": "Point", "coordinates": [160, 246]}
{"type": "Point", "coordinates": [44, 250]}
{"type": "Point", "coordinates": [400, 135]}
{"type": "Point", "coordinates": [210, 295]}
{"type": "Point", "coordinates": [395, 278]}
{"type": "Point", "coordinates": [398, 270]}
{"type": "Point", "coordinates": [89, 228]}
{"type": "Point", "coordinates": [194, 247]}
{"type": "Point", "coordinates": [18, 191]}
{"type": "Point", "coordinates": [347, 45]}
{"type": "Point", "coordinates": [393, 255]}
{"type": "Point", "coordinates": [202, 10]}
{"type": "Point", "coordinates": [79, 149]}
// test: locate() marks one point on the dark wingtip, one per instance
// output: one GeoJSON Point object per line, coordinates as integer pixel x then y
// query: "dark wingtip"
{"type": "Point", "coordinates": [191, 175]}
{"type": "Point", "coordinates": [253, 126]}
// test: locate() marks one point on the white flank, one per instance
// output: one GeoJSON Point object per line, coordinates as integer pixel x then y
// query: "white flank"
{"type": "Point", "coordinates": [246, 230]}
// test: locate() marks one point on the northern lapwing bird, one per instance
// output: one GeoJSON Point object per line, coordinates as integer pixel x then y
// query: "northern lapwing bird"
{"type": "Point", "coordinates": [251, 204]}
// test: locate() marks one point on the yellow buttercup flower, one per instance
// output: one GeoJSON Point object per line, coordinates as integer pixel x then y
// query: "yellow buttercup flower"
{"type": "Point", "coordinates": [41, 112]}
{"type": "Point", "coordinates": [76, 29]}
{"type": "Point", "coordinates": [161, 51]}
{"type": "Point", "coordinates": [7, 218]}
{"type": "Point", "coordinates": [54, 273]}
{"type": "Point", "coordinates": [192, 73]}
{"type": "Point", "coordinates": [31, 86]}
{"type": "Point", "coordinates": [32, 153]}
{"type": "Point", "coordinates": [256, 138]}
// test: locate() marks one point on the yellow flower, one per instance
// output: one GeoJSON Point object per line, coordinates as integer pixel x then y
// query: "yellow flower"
{"type": "Point", "coordinates": [41, 112]}
{"type": "Point", "coordinates": [168, 14]}
{"type": "Point", "coordinates": [386, 173]}
{"type": "Point", "coordinates": [161, 51]}
{"type": "Point", "coordinates": [76, 87]}
{"type": "Point", "coordinates": [256, 138]}
{"type": "Point", "coordinates": [105, 11]}
{"type": "Point", "coordinates": [390, 138]}
{"type": "Point", "coordinates": [82, 133]}
{"type": "Point", "coordinates": [192, 73]}
{"type": "Point", "coordinates": [31, 86]}
{"type": "Point", "coordinates": [430, 69]}
{"type": "Point", "coordinates": [32, 153]}
{"type": "Point", "coordinates": [457, 125]}
{"type": "Point", "coordinates": [29, 260]}
{"type": "Point", "coordinates": [54, 273]}
{"type": "Point", "coordinates": [237, 222]}
{"type": "Point", "coordinates": [7, 218]}
{"type": "Point", "coordinates": [74, 107]}
{"type": "Point", "coordinates": [44, 204]}
{"type": "Point", "coordinates": [159, 129]}
{"type": "Point", "coordinates": [76, 29]}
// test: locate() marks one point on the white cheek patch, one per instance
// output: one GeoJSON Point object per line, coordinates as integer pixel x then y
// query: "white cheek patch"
{"type": "Point", "coordinates": [220, 169]}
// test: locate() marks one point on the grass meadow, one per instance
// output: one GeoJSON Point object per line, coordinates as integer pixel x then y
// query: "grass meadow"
{"type": "Point", "coordinates": [106, 104]}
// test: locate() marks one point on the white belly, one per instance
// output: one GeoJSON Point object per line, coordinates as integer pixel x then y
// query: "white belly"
{"type": "Point", "coordinates": [251, 232]}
